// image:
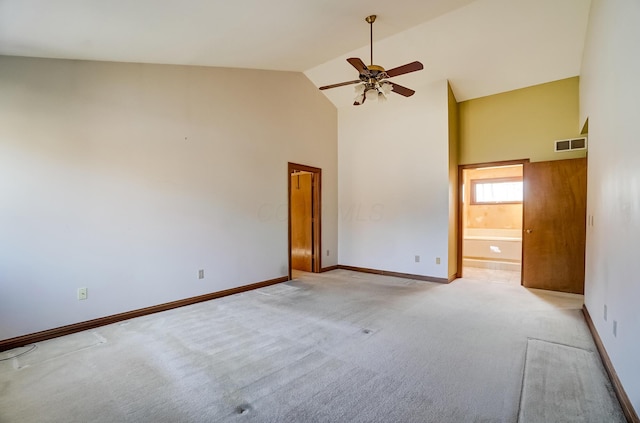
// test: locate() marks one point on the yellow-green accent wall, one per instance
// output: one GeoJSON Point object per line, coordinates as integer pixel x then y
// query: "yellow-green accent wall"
{"type": "Point", "coordinates": [454, 142]}
{"type": "Point", "coordinates": [520, 124]}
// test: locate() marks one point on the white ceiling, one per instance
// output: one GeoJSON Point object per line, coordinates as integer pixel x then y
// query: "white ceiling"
{"type": "Point", "coordinates": [484, 48]}
{"type": "Point", "coordinates": [481, 46]}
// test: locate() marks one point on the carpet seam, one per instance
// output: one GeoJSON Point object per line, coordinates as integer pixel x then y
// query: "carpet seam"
{"type": "Point", "coordinates": [558, 343]}
{"type": "Point", "coordinates": [524, 370]}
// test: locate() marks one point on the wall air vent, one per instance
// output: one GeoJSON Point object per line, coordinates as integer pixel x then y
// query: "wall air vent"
{"type": "Point", "coordinates": [571, 144]}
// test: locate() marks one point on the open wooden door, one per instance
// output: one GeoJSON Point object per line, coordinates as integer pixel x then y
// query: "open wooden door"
{"type": "Point", "coordinates": [305, 218]}
{"type": "Point", "coordinates": [554, 225]}
{"type": "Point", "coordinates": [302, 221]}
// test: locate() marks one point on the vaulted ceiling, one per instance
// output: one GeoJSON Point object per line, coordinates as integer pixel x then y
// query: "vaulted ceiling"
{"type": "Point", "coordinates": [481, 46]}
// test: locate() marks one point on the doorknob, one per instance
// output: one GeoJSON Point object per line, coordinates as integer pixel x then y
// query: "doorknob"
{"type": "Point", "coordinates": [529, 231]}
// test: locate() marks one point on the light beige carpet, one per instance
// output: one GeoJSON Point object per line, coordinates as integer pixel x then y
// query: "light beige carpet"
{"type": "Point", "coordinates": [335, 347]}
{"type": "Point", "coordinates": [565, 384]}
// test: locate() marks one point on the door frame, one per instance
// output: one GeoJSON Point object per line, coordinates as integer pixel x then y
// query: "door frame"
{"type": "Point", "coordinates": [461, 168]}
{"type": "Point", "coordinates": [316, 228]}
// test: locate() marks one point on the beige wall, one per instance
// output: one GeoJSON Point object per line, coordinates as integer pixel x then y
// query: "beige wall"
{"type": "Point", "coordinates": [129, 178]}
{"type": "Point", "coordinates": [520, 124]}
{"type": "Point", "coordinates": [491, 216]}
{"type": "Point", "coordinates": [610, 99]}
{"type": "Point", "coordinates": [394, 183]}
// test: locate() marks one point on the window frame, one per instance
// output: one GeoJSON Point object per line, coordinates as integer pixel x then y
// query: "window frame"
{"type": "Point", "coordinates": [474, 182]}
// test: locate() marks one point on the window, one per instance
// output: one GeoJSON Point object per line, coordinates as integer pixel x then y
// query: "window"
{"type": "Point", "coordinates": [496, 191]}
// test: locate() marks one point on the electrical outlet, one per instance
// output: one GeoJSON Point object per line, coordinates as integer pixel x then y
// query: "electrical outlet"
{"type": "Point", "coordinates": [615, 328]}
{"type": "Point", "coordinates": [201, 274]}
{"type": "Point", "coordinates": [327, 253]}
{"type": "Point", "coordinates": [417, 259]}
{"type": "Point", "coordinates": [605, 312]}
{"type": "Point", "coordinates": [82, 293]}
{"type": "Point", "coordinates": [437, 260]}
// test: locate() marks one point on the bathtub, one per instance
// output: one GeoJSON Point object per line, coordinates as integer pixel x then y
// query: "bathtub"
{"type": "Point", "coordinates": [492, 248]}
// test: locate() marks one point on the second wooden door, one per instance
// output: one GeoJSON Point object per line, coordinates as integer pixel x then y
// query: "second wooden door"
{"type": "Point", "coordinates": [554, 225]}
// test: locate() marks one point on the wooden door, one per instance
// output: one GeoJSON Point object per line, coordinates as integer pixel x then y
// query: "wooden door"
{"type": "Point", "coordinates": [302, 222]}
{"type": "Point", "coordinates": [554, 225]}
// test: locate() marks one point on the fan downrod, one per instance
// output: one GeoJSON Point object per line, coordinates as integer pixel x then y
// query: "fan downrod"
{"type": "Point", "coordinates": [370, 20]}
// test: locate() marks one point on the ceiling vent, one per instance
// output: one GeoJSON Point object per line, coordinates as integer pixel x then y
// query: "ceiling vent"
{"type": "Point", "coordinates": [571, 144]}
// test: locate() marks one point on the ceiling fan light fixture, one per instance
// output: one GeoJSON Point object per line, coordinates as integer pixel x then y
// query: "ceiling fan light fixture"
{"type": "Point", "coordinates": [371, 94]}
{"type": "Point", "coordinates": [371, 82]}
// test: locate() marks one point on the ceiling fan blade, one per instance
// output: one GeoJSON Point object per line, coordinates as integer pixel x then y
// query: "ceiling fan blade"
{"type": "Point", "coordinates": [326, 87]}
{"type": "Point", "coordinates": [401, 70]}
{"type": "Point", "coordinates": [399, 89]}
{"type": "Point", "coordinates": [359, 65]}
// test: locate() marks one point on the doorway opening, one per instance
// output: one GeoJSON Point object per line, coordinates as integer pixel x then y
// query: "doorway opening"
{"type": "Point", "coordinates": [490, 221]}
{"type": "Point", "coordinates": [305, 185]}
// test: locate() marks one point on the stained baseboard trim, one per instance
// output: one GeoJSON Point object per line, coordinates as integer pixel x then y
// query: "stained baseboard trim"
{"type": "Point", "coordinates": [453, 278]}
{"type": "Point", "coordinates": [328, 269]}
{"type": "Point", "coordinates": [396, 274]}
{"type": "Point", "coordinates": [23, 340]}
{"type": "Point", "coordinates": [625, 402]}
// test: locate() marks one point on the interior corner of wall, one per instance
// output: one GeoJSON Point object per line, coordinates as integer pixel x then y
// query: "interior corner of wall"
{"type": "Point", "coordinates": [585, 127]}
{"type": "Point", "coordinates": [452, 93]}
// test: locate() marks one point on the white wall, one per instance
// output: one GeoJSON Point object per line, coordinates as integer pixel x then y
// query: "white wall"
{"type": "Point", "coordinates": [393, 183]}
{"type": "Point", "coordinates": [127, 179]}
{"type": "Point", "coordinates": [610, 98]}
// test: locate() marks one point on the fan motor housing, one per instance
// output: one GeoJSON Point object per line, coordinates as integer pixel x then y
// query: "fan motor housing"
{"type": "Point", "coordinates": [375, 72]}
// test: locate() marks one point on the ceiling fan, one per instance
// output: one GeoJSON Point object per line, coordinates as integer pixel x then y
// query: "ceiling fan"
{"type": "Point", "coordinates": [373, 78]}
